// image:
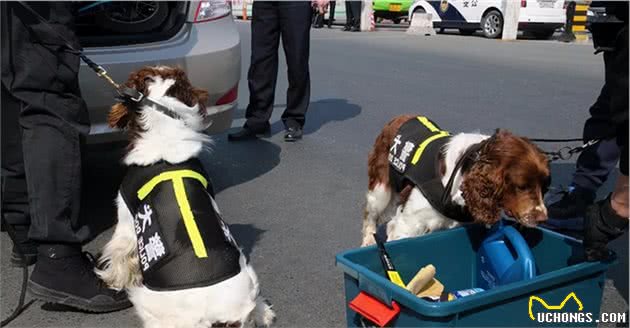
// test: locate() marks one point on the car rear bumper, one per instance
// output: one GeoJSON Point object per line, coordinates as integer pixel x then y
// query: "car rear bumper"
{"type": "Point", "coordinates": [209, 52]}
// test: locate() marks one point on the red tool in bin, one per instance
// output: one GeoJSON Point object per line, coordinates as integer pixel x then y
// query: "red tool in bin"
{"type": "Point", "coordinates": [373, 310]}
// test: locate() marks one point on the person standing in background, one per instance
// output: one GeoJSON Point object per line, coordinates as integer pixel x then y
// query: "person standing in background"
{"type": "Point", "coordinates": [353, 16]}
{"type": "Point", "coordinates": [272, 20]}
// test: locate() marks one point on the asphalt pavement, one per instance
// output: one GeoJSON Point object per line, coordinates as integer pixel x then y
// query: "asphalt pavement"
{"type": "Point", "coordinates": [294, 206]}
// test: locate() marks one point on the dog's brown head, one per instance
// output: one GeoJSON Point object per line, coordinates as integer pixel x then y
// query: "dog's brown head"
{"type": "Point", "coordinates": [511, 174]}
{"type": "Point", "coordinates": [164, 84]}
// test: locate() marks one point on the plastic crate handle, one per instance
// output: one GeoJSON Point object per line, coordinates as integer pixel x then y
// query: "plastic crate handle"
{"type": "Point", "coordinates": [373, 310]}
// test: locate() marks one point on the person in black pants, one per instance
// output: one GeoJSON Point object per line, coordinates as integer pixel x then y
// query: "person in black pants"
{"type": "Point", "coordinates": [353, 16]}
{"type": "Point", "coordinates": [606, 219]}
{"type": "Point", "coordinates": [44, 123]}
{"type": "Point", "coordinates": [596, 162]}
{"type": "Point", "coordinates": [272, 20]}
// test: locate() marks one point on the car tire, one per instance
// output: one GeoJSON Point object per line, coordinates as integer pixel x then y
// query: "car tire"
{"type": "Point", "coordinates": [492, 24]}
{"type": "Point", "coordinates": [396, 20]}
{"type": "Point", "coordinates": [466, 31]}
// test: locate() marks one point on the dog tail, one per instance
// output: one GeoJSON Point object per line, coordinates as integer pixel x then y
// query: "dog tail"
{"type": "Point", "coordinates": [264, 315]}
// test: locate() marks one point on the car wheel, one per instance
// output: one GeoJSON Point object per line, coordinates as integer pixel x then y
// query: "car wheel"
{"type": "Point", "coordinates": [396, 20]}
{"type": "Point", "coordinates": [465, 31]}
{"type": "Point", "coordinates": [492, 24]}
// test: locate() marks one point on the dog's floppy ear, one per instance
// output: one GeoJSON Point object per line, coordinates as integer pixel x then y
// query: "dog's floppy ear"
{"type": "Point", "coordinates": [118, 116]}
{"type": "Point", "coordinates": [482, 189]}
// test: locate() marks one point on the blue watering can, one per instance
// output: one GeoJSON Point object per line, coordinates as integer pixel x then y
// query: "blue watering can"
{"type": "Point", "coordinates": [504, 257]}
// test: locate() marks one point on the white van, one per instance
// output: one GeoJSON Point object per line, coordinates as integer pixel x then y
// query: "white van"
{"type": "Point", "coordinates": [538, 17]}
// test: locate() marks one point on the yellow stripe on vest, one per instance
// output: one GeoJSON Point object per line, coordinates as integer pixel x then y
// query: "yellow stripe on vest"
{"type": "Point", "coordinates": [425, 121]}
{"type": "Point", "coordinates": [177, 177]}
{"type": "Point", "coordinates": [425, 143]}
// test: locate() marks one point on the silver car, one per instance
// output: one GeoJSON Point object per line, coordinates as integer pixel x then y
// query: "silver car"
{"type": "Point", "coordinates": [199, 36]}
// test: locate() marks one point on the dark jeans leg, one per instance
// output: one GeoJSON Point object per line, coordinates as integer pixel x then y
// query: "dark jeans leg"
{"type": "Point", "coordinates": [14, 194]}
{"type": "Point", "coordinates": [294, 24]}
{"type": "Point", "coordinates": [263, 69]}
{"type": "Point", "coordinates": [595, 163]}
{"type": "Point", "coordinates": [54, 118]}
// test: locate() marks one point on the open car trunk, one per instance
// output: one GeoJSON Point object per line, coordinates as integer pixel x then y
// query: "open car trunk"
{"type": "Point", "coordinates": [117, 23]}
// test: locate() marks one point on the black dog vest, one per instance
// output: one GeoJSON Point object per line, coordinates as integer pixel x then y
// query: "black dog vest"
{"type": "Point", "coordinates": [182, 239]}
{"type": "Point", "coordinates": [414, 157]}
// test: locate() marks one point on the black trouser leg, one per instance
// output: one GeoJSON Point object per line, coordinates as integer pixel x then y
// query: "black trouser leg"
{"type": "Point", "coordinates": [14, 194]}
{"type": "Point", "coordinates": [355, 7]}
{"type": "Point", "coordinates": [294, 24]}
{"type": "Point", "coordinates": [617, 78]}
{"type": "Point", "coordinates": [54, 119]}
{"type": "Point", "coordinates": [331, 12]}
{"type": "Point", "coordinates": [349, 17]}
{"type": "Point", "coordinates": [596, 162]}
{"type": "Point", "coordinates": [263, 69]}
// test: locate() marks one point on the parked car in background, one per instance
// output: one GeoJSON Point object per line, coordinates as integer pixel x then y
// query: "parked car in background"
{"type": "Point", "coordinates": [395, 10]}
{"type": "Point", "coordinates": [538, 17]}
{"type": "Point", "coordinates": [199, 36]}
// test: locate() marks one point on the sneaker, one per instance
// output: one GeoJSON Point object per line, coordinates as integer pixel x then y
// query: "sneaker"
{"type": "Point", "coordinates": [601, 225]}
{"type": "Point", "coordinates": [573, 204]}
{"type": "Point", "coordinates": [64, 275]}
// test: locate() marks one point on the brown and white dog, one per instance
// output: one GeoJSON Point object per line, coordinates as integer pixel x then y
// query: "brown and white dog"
{"type": "Point", "coordinates": [155, 139]}
{"type": "Point", "coordinates": [509, 173]}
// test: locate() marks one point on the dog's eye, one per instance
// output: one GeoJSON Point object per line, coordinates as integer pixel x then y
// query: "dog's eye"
{"type": "Point", "coordinates": [148, 79]}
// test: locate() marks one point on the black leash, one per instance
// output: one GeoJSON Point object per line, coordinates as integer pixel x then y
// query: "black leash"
{"type": "Point", "coordinates": [567, 152]}
{"type": "Point", "coordinates": [472, 153]}
{"type": "Point", "coordinates": [125, 94]}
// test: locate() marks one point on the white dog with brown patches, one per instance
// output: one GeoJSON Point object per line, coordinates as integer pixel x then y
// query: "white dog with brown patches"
{"type": "Point", "coordinates": [178, 270]}
{"type": "Point", "coordinates": [409, 179]}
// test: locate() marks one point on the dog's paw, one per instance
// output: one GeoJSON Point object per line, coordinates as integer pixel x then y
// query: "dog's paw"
{"type": "Point", "coordinates": [264, 315]}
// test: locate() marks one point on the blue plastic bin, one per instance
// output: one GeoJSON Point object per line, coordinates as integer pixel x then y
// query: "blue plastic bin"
{"type": "Point", "coordinates": [560, 271]}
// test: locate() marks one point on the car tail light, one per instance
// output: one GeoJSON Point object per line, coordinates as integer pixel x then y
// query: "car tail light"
{"type": "Point", "coordinates": [523, 3]}
{"type": "Point", "coordinates": [211, 10]}
{"type": "Point", "coordinates": [228, 97]}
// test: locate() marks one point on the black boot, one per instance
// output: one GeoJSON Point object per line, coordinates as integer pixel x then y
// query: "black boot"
{"type": "Point", "coordinates": [64, 275]}
{"type": "Point", "coordinates": [601, 225]}
{"type": "Point", "coordinates": [572, 205]}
